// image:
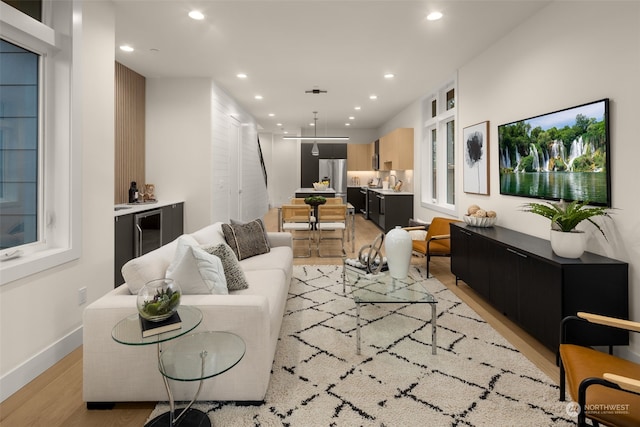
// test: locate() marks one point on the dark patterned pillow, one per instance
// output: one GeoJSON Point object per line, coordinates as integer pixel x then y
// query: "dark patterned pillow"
{"type": "Point", "coordinates": [246, 240]}
{"type": "Point", "coordinates": [236, 279]}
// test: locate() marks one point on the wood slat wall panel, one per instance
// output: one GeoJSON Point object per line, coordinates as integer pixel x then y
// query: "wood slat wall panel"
{"type": "Point", "coordinates": [129, 131]}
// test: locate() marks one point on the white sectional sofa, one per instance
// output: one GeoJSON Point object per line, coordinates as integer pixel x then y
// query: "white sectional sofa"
{"type": "Point", "coordinates": [115, 372]}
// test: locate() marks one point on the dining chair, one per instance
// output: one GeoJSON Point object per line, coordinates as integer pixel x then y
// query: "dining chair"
{"type": "Point", "coordinates": [331, 218]}
{"type": "Point", "coordinates": [437, 241]}
{"type": "Point", "coordinates": [297, 219]}
{"type": "Point", "coordinates": [334, 201]}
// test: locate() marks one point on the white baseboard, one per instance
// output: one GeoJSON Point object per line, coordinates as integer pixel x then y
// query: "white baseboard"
{"type": "Point", "coordinates": [23, 374]}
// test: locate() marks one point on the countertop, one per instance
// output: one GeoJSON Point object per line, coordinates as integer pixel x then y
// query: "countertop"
{"type": "Point", "coordinates": [388, 192]}
{"type": "Point", "coordinates": [126, 208]}
{"type": "Point", "coordinates": [313, 190]}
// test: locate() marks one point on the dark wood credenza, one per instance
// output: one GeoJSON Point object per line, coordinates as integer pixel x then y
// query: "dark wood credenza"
{"type": "Point", "coordinates": [522, 278]}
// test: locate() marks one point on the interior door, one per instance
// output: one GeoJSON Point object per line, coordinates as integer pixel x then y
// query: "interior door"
{"type": "Point", "coordinates": [235, 170]}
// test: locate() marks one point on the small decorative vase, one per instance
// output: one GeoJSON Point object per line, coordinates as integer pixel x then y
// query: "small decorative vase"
{"type": "Point", "coordinates": [568, 244]}
{"type": "Point", "coordinates": [398, 246]}
{"type": "Point", "coordinates": [158, 299]}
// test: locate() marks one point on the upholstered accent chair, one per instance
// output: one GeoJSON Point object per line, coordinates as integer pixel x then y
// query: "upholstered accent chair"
{"type": "Point", "coordinates": [437, 241]}
{"type": "Point", "coordinates": [606, 387]}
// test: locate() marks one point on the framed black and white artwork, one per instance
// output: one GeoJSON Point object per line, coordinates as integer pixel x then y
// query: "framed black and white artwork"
{"type": "Point", "coordinates": [475, 143]}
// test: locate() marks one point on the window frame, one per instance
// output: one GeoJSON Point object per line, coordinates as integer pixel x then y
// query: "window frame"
{"type": "Point", "coordinates": [59, 217]}
{"type": "Point", "coordinates": [438, 123]}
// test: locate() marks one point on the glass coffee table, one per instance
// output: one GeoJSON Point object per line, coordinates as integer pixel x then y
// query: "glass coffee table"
{"type": "Point", "coordinates": [383, 289]}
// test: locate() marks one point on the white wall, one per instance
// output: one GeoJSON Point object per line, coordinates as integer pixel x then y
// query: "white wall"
{"type": "Point", "coordinates": [178, 145]}
{"type": "Point", "coordinates": [188, 150]}
{"type": "Point", "coordinates": [568, 54]}
{"type": "Point", "coordinates": [41, 320]}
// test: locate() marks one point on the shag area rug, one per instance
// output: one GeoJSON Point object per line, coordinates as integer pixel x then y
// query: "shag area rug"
{"type": "Point", "coordinates": [476, 379]}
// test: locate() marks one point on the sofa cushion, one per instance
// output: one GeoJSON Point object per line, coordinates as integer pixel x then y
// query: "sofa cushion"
{"type": "Point", "coordinates": [236, 279]}
{"type": "Point", "coordinates": [150, 266]}
{"type": "Point", "coordinates": [195, 270]}
{"type": "Point", "coordinates": [246, 240]}
{"type": "Point", "coordinates": [210, 235]}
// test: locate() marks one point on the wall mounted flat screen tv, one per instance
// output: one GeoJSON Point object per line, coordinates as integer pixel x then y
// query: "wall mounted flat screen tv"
{"type": "Point", "coordinates": [562, 155]}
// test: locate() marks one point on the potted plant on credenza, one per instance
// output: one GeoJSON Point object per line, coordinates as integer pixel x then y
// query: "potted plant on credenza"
{"type": "Point", "coordinates": [566, 241]}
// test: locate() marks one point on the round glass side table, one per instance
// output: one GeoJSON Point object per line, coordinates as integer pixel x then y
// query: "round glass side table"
{"type": "Point", "coordinates": [129, 332]}
{"type": "Point", "coordinates": [197, 357]}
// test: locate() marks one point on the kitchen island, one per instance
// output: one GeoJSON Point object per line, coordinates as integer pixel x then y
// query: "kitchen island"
{"type": "Point", "coordinates": [307, 192]}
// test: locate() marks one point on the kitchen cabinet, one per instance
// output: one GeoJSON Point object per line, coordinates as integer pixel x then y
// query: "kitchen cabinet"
{"type": "Point", "coordinates": [123, 245]}
{"type": "Point", "coordinates": [522, 278]}
{"type": "Point", "coordinates": [396, 150]}
{"type": "Point", "coordinates": [394, 210]}
{"type": "Point", "coordinates": [172, 226]}
{"type": "Point", "coordinates": [357, 197]}
{"type": "Point", "coordinates": [388, 209]}
{"type": "Point", "coordinates": [172, 222]}
{"type": "Point", "coordinates": [373, 206]}
{"type": "Point", "coordinates": [309, 166]}
{"type": "Point", "coordinates": [332, 151]}
{"type": "Point", "coordinates": [359, 157]}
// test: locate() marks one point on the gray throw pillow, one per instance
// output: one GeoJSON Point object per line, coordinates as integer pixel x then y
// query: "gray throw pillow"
{"type": "Point", "coordinates": [246, 240]}
{"type": "Point", "coordinates": [236, 279]}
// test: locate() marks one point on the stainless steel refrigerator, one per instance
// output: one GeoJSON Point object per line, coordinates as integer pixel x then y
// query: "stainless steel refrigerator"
{"type": "Point", "coordinates": [335, 170]}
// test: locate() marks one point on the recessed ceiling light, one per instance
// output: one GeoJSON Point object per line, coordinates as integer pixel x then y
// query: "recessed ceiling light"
{"type": "Point", "coordinates": [389, 76]}
{"type": "Point", "coordinates": [347, 124]}
{"type": "Point", "coordinates": [351, 118]}
{"type": "Point", "coordinates": [373, 97]}
{"type": "Point", "coordinates": [271, 114]}
{"type": "Point", "coordinates": [312, 124]}
{"type": "Point", "coordinates": [241, 75]}
{"type": "Point", "coordinates": [258, 97]}
{"type": "Point", "coordinates": [126, 48]}
{"type": "Point", "coordinates": [278, 124]}
{"type": "Point", "coordinates": [357, 107]}
{"type": "Point", "coordinates": [286, 132]}
{"type": "Point", "coordinates": [434, 16]}
{"type": "Point", "coordinates": [196, 14]}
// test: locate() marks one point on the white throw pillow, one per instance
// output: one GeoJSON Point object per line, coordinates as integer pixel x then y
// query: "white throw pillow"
{"type": "Point", "coordinates": [195, 270]}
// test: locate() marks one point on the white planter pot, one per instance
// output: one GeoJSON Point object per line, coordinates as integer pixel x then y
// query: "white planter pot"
{"type": "Point", "coordinates": [568, 244]}
{"type": "Point", "coordinates": [398, 246]}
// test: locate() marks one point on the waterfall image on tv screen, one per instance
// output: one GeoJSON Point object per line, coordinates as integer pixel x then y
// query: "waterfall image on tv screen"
{"type": "Point", "coordinates": [562, 155]}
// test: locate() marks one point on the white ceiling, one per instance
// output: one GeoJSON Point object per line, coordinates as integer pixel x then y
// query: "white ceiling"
{"type": "Point", "coordinates": [287, 47]}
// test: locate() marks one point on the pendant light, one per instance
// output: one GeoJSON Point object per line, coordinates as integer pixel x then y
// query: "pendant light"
{"type": "Point", "coordinates": [315, 150]}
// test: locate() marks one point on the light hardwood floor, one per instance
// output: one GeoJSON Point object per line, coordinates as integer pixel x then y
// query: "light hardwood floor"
{"type": "Point", "coordinates": [55, 398]}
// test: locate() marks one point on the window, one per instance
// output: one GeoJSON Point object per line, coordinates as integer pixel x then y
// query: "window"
{"type": "Point", "coordinates": [438, 148]}
{"type": "Point", "coordinates": [39, 184]}
{"type": "Point", "coordinates": [19, 145]}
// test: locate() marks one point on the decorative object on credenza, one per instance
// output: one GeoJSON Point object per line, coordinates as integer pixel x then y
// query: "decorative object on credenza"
{"type": "Point", "coordinates": [475, 140]}
{"type": "Point", "coordinates": [158, 299]}
{"type": "Point", "coordinates": [478, 217]}
{"type": "Point", "coordinates": [315, 200]}
{"type": "Point", "coordinates": [566, 241]}
{"type": "Point", "coordinates": [398, 246]}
